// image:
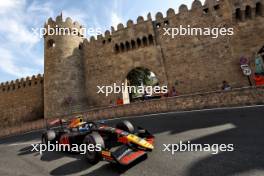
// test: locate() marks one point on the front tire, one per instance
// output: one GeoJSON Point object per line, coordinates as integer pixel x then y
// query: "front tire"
{"type": "Point", "coordinates": [93, 157]}
{"type": "Point", "coordinates": [126, 126]}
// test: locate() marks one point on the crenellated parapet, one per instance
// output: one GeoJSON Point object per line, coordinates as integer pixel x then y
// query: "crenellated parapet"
{"type": "Point", "coordinates": [211, 8]}
{"type": "Point", "coordinates": [9, 86]}
{"type": "Point", "coordinates": [67, 26]}
{"type": "Point", "coordinates": [106, 37]}
{"type": "Point", "coordinates": [234, 10]}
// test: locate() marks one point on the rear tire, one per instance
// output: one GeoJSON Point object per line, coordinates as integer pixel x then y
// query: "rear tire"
{"type": "Point", "coordinates": [44, 138]}
{"type": "Point", "coordinates": [93, 157]}
{"type": "Point", "coordinates": [51, 135]}
{"type": "Point", "coordinates": [126, 126]}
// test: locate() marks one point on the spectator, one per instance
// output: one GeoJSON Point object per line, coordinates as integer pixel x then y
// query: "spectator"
{"type": "Point", "coordinates": [226, 86]}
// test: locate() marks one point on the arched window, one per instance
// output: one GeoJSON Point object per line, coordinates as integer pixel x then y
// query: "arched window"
{"type": "Point", "coordinates": [217, 7]}
{"type": "Point", "coordinates": [166, 23]}
{"type": "Point", "coordinates": [138, 42]}
{"type": "Point", "coordinates": [51, 43]}
{"type": "Point", "coordinates": [151, 41]}
{"type": "Point", "coordinates": [122, 47]}
{"type": "Point", "coordinates": [238, 14]}
{"type": "Point", "coordinates": [206, 10]}
{"type": "Point", "coordinates": [133, 44]}
{"type": "Point", "coordinates": [80, 47]}
{"type": "Point", "coordinates": [127, 46]}
{"type": "Point", "coordinates": [258, 9]}
{"type": "Point", "coordinates": [248, 12]}
{"type": "Point", "coordinates": [145, 41]}
{"type": "Point", "coordinates": [116, 48]}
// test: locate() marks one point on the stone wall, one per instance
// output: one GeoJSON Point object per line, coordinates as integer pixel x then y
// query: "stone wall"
{"type": "Point", "coordinates": [217, 99]}
{"type": "Point", "coordinates": [21, 101]}
{"type": "Point", "coordinates": [191, 63]}
{"type": "Point", "coordinates": [74, 66]}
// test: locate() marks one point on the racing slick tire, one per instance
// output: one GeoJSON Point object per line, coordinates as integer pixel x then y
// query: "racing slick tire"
{"type": "Point", "coordinates": [48, 136]}
{"type": "Point", "coordinates": [93, 157]}
{"type": "Point", "coordinates": [126, 126]}
{"type": "Point", "coordinates": [44, 138]}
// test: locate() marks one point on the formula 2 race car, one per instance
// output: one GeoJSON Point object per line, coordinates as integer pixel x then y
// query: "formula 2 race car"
{"type": "Point", "coordinates": [122, 144]}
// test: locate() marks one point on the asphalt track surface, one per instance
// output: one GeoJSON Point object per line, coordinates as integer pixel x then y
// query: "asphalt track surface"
{"type": "Point", "coordinates": [243, 127]}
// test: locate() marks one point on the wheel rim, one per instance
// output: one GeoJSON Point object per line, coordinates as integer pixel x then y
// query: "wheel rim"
{"type": "Point", "coordinates": [90, 154]}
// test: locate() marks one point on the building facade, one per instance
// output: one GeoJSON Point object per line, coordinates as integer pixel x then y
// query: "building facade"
{"type": "Point", "coordinates": [75, 66]}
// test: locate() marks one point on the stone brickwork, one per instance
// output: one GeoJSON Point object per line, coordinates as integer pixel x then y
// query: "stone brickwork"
{"type": "Point", "coordinates": [21, 101]}
{"type": "Point", "coordinates": [75, 66]}
{"type": "Point", "coordinates": [193, 63]}
{"type": "Point", "coordinates": [216, 99]}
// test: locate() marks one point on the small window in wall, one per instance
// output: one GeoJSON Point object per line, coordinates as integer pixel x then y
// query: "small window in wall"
{"type": "Point", "coordinates": [127, 46]}
{"type": "Point", "coordinates": [248, 12]}
{"type": "Point", "coordinates": [158, 25]}
{"type": "Point", "coordinates": [80, 47]}
{"type": "Point", "coordinates": [258, 9]}
{"type": "Point", "coordinates": [103, 41]}
{"type": "Point", "coordinates": [122, 47]}
{"type": "Point", "coordinates": [206, 11]}
{"type": "Point", "coordinates": [145, 41]}
{"type": "Point", "coordinates": [238, 14]}
{"type": "Point", "coordinates": [51, 43]}
{"type": "Point", "coordinates": [151, 41]}
{"type": "Point", "coordinates": [166, 23]}
{"type": "Point", "coordinates": [133, 44]}
{"type": "Point", "coordinates": [109, 40]}
{"type": "Point", "coordinates": [138, 42]}
{"type": "Point", "coordinates": [116, 48]}
{"type": "Point", "coordinates": [217, 7]}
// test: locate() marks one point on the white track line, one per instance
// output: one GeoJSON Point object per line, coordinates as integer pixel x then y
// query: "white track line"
{"type": "Point", "coordinates": [190, 111]}
{"type": "Point", "coordinates": [24, 143]}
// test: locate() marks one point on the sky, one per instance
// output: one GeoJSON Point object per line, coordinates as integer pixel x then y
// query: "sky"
{"type": "Point", "coordinates": [21, 50]}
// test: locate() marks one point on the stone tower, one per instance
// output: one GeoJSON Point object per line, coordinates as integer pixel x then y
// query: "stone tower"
{"type": "Point", "coordinates": [63, 78]}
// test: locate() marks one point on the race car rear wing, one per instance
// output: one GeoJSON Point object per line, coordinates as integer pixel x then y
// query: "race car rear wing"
{"type": "Point", "coordinates": [55, 123]}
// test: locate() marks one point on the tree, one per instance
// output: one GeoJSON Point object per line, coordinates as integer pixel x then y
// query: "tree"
{"type": "Point", "coordinates": [138, 76]}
